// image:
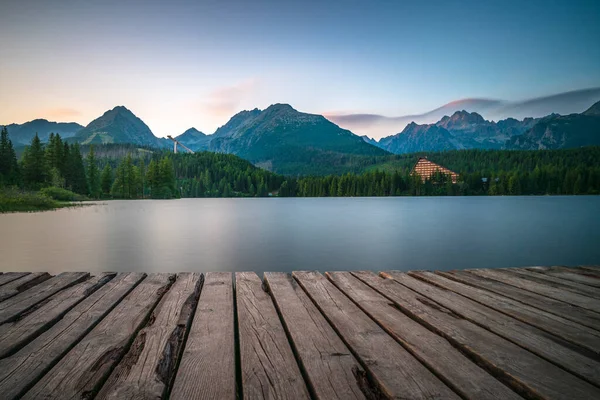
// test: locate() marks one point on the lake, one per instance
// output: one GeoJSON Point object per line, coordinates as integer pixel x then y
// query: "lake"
{"type": "Point", "coordinates": [285, 234]}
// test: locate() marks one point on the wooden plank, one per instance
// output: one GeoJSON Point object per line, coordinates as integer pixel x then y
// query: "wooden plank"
{"type": "Point", "coordinates": [23, 369]}
{"type": "Point", "coordinates": [20, 285]}
{"type": "Point", "coordinates": [591, 268]}
{"type": "Point", "coordinates": [81, 372]}
{"type": "Point", "coordinates": [331, 370]}
{"type": "Point", "coordinates": [561, 327]}
{"type": "Point", "coordinates": [207, 368]}
{"type": "Point", "coordinates": [544, 345]}
{"type": "Point", "coordinates": [556, 307]}
{"type": "Point", "coordinates": [269, 368]}
{"type": "Point", "coordinates": [148, 368]}
{"type": "Point", "coordinates": [522, 370]}
{"type": "Point", "coordinates": [394, 371]}
{"type": "Point", "coordinates": [558, 283]}
{"type": "Point", "coordinates": [569, 274]}
{"type": "Point", "coordinates": [10, 309]}
{"type": "Point", "coordinates": [10, 276]}
{"type": "Point", "coordinates": [14, 335]}
{"type": "Point", "coordinates": [546, 290]}
{"type": "Point", "coordinates": [448, 363]}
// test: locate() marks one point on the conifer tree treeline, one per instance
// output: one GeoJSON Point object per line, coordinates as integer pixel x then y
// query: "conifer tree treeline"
{"type": "Point", "coordinates": [130, 172]}
{"type": "Point", "coordinates": [60, 164]}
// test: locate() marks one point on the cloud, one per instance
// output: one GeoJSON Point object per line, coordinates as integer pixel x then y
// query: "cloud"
{"type": "Point", "coordinates": [62, 113]}
{"type": "Point", "coordinates": [225, 101]}
{"type": "Point", "coordinates": [378, 126]}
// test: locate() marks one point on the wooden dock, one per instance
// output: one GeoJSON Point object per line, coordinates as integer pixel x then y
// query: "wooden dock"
{"type": "Point", "coordinates": [513, 333]}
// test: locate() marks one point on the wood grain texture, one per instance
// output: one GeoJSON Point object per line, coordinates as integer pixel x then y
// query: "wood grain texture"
{"type": "Point", "coordinates": [553, 281]}
{"type": "Point", "coordinates": [522, 334]}
{"type": "Point", "coordinates": [81, 372]}
{"type": "Point", "coordinates": [557, 293]}
{"type": "Point", "coordinates": [569, 274]}
{"type": "Point", "coordinates": [149, 366]}
{"type": "Point", "coordinates": [522, 370]}
{"type": "Point", "coordinates": [458, 371]}
{"type": "Point", "coordinates": [571, 331]}
{"type": "Point", "coordinates": [23, 369]}
{"type": "Point", "coordinates": [330, 368]}
{"type": "Point", "coordinates": [394, 371]}
{"type": "Point", "coordinates": [576, 314]}
{"type": "Point", "coordinates": [10, 309]}
{"type": "Point", "coordinates": [20, 285]}
{"type": "Point", "coordinates": [14, 335]}
{"type": "Point", "coordinates": [6, 277]}
{"type": "Point", "coordinates": [207, 368]}
{"type": "Point", "coordinates": [269, 368]}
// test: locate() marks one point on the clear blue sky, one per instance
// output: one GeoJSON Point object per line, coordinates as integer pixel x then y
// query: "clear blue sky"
{"type": "Point", "coordinates": [178, 64]}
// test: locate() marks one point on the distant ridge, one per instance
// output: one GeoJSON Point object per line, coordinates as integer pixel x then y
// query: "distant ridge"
{"type": "Point", "coordinates": [21, 134]}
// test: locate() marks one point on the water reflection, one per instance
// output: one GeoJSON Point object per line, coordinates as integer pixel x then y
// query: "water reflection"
{"type": "Point", "coordinates": [290, 234]}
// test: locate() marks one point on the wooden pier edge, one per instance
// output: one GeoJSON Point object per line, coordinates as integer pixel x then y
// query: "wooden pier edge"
{"type": "Point", "coordinates": [508, 333]}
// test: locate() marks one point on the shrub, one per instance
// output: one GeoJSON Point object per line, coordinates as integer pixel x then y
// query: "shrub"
{"type": "Point", "coordinates": [61, 194]}
{"type": "Point", "coordinates": [15, 200]}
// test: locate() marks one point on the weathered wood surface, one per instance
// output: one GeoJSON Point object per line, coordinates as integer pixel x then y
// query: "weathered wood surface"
{"type": "Point", "coordinates": [569, 274]}
{"type": "Point", "coordinates": [6, 277]}
{"type": "Point", "coordinates": [10, 309]}
{"type": "Point", "coordinates": [207, 368]}
{"type": "Point", "coordinates": [20, 285]}
{"type": "Point", "coordinates": [555, 282]}
{"type": "Point", "coordinates": [557, 293]}
{"type": "Point", "coordinates": [23, 369]}
{"type": "Point", "coordinates": [525, 335]}
{"type": "Point", "coordinates": [459, 372]}
{"type": "Point", "coordinates": [476, 334]}
{"type": "Point", "coordinates": [576, 314]}
{"type": "Point", "coordinates": [522, 370]}
{"type": "Point", "coordinates": [394, 370]}
{"type": "Point", "coordinates": [15, 334]}
{"type": "Point", "coordinates": [82, 371]}
{"type": "Point", "coordinates": [321, 352]}
{"type": "Point", "coordinates": [269, 368]}
{"type": "Point", "coordinates": [561, 327]}
{"type": "Point", "coordinates": [148, 368]}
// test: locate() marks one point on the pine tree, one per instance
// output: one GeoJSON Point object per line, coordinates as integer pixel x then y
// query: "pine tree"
{"type": "Point", "coordinates": [76, 171]}
{"type": "Point", "coordinates": [93, 175]}
{"type": "Point", "coordinates": [35, 171]}
{"type": "Point", "coordinates": [9, 168]}
{"type": "Point", "coordinates": [106, 180]}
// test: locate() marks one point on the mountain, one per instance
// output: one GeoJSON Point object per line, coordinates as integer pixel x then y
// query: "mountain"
{"type": "Point", "coordinates": [474, 132]}
{"type": "Point", "coordinates": [415, 138]}
{"type": "Point", "coordinates": [21, 134]}
{"type": "Point", "coordinates": [461, 130]}
{"type": "Point", "coordinates": [561, 132]}
{"type": "Point", "coordinates": [194, 139]}
{"type": "Point", "coordinates": [285, 140]}
{"type": "Point", "coordinates": [118, 125]}
{"type": "Point", "coordinates": [369, 140]}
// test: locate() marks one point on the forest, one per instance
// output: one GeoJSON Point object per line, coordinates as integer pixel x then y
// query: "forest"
{"type": "Point", "coordinates": [64, 171]}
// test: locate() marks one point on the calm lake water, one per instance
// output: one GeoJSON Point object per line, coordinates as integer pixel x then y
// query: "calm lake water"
{"type": "Point", "coordinates": [300, 234]}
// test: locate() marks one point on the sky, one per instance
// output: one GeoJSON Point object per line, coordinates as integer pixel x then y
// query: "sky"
{"type": "Point", "coordinates": [181, 63]}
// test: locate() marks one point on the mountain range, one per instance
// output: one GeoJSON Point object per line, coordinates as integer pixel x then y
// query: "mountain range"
{"type": "Point", "coordinates": [284, 140]}
{"type": "Point", "coordinates": [564, 103]}
{"type": "Point", "coordinates": [461, 130]}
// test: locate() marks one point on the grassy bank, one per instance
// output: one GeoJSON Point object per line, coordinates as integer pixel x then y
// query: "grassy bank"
{"type": "Point", "coordinates": [15, 200]}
